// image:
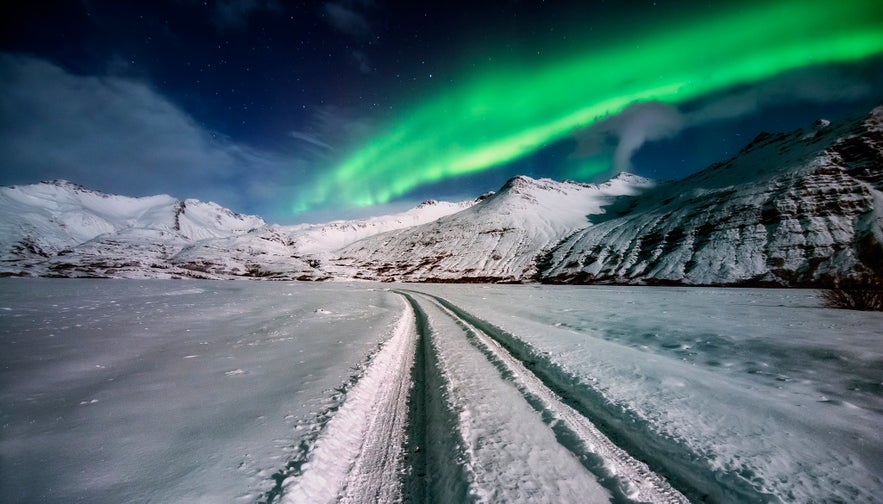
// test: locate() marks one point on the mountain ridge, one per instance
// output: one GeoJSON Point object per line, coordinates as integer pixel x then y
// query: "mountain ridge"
{"type": "Point", "coordinates": [810, 214]}
{"type": "Point", "coordinates": [791, 209]}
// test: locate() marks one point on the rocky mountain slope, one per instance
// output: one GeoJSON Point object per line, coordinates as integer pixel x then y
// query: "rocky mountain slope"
{"type": "Point", "coordinates": [803, 208]}
{"type": "Point", "coordinates": [496, 240]}
{"type": "Point", "coordinates": [297, 252]}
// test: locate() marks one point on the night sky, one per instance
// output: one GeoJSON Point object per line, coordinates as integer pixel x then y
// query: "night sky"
{"type": "Point", "coordinates": [311, 111]}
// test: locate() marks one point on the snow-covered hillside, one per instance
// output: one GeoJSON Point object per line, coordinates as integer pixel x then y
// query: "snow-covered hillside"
{"type": "Point", "coordinates": [804, 208]}
{"type": "Point", "coordinates": [57, 228]}
{"type": "Point", "coordinates": [298, 252]}
{"type": "Point", "coordinates": [320, 238]}
{"type": "Point", "coordinates": [60, 228]}
{"type": "Point", "coordinates": [498, 239]}
{"type": "Point", "coordinates": [790, 209]}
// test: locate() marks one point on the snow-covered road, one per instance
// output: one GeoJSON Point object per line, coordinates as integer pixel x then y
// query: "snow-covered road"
{"type": "Point", "coordinates": [495, 432]}
{"type": "Point", "coordinates": [520, 441]}
{"type": "Point", "coordinates": [179, 391]}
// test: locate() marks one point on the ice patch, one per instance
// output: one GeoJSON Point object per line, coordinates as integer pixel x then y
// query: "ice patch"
{"type": "Point", "coordinates": [182, 292]}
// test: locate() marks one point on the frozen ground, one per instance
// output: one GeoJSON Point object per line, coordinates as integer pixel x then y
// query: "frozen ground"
{"type": "Point", "coordinates": [184, 391]}
{"type": "Point", "coordinates": [171, 391]}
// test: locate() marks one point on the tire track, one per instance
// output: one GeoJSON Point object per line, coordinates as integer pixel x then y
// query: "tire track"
{"type": "Point", "coordinates": [685, 470]}
{"type": "Point", "coordinates": [628, 479]}
{"type": "Point", "coordinates": [436, 456]}
{"type": "Point", "coordinates": [359, 456]}
{"type": "Point", "coordinates": [453, 409]}
{"type": "Point", "coordinates": [508, 453]}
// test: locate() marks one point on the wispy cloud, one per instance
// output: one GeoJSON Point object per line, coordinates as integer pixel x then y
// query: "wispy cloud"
{"type": "Point", "coordinates": [810, 85]}
{"type": "Point", "coordinates": [628, 131]}
{"type": "Point", "coordinates": [233, 14]}
{"type": "Point", "coordinates": [344, 17]}
{"type": "Point", "coordinates": [310, 139]}
{"type": "Point", "coordinates": [620, 136]}
{"type": "Point", "coordinates": [119, 135]}
{"type": "Point", "coordinates": [362, 62]}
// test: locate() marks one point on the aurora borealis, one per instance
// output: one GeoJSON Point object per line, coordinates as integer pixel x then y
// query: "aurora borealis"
{"type": "Point", "coordinates": [510, 111]}
{"type": "Point", "coordinates": [337, 109]}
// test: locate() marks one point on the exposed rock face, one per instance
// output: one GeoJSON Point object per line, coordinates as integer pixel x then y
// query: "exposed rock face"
{"type": "Point", "coordinates": [798, 209]}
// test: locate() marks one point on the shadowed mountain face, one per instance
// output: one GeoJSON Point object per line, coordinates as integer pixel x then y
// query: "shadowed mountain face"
{"type": "Point", "coordinates": [803, 208]}
{"type": "Point", "coordinates": [797, 209]}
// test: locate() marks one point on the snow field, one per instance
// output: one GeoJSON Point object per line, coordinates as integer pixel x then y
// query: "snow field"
{"type": "Point", "coordinates": [189, 391]}
{"type": "Point", "coordinates": [172, 391]}
{"type": "Point", "coordinates": [732, 394]}
{"type": "Point", "coordinates": [632, 478]}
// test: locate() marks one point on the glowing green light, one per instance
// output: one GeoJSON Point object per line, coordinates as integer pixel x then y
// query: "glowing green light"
{"type": "Point", "coordinates": [510, 112]}
{"type": "Point", "coordinates": [585, 169]}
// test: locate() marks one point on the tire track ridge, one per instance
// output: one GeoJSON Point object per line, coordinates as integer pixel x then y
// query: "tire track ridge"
{"type": "Point", "coordinates": [358, 455]}
{"type": "Point", "coordinates": [436, 458]}
{"type": "Point", "coordinates": [665, 456]}
{"type": "Point", "coordinates": [294, 466]}
{"type": "Point", "coordinates": [627, 479]}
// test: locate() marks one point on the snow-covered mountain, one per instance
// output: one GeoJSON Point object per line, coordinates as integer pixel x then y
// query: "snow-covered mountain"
{"type": "Point", "coordinates": [496, 240]}
{"type": "Point", "coordinates": [803, 208]}
{"type": "Point", "coordinates": [58, 228]}
{"type": "Point", "coordinates": [299, 252]}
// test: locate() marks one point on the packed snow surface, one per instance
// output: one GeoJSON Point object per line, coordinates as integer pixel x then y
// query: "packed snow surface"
{"type": "Point", "coordinates": [200, 391]}
{"type": "Point", "coordinates": [745, 395]}
{"type": "Point", "coordinates": [171, 391]}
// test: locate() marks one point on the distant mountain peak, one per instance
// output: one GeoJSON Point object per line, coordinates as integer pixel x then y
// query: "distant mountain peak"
{"type": "Point", "coordinates": [788, 209]}
{"type": "Point", "coordinates": [67, 184]}
{"type": "Point", "coordinates": [518, 181]}
{"type": "Point", "coordinates": [799, 208]}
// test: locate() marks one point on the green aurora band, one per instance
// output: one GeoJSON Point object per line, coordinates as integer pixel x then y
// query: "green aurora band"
{"type": "Point", "coordinates": [510, 112]}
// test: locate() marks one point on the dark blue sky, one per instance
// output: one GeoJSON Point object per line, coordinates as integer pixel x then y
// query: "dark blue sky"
{"type": "Point", "coordinates": [243, 101]}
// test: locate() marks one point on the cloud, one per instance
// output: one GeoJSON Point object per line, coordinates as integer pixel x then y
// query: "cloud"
{"type": "Point", "coordinates": [361, 60]}
{"type": "Point", "coordinates": [338, 125]}
{"type": "Point", "coordinates": [620, 136]}
{"type": "Point", "coordinates": [630, 129]}
{"type": "Point", "coordinates": [812, 85]}
{"type": "Point", "coordinates": [344, 18]}
{"type": "Point", "coordinates": [310, 139]}
{"type": "Point", "coordinates": [120, 136]}
{"type": "Point", "coordinates": [233, 14]}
